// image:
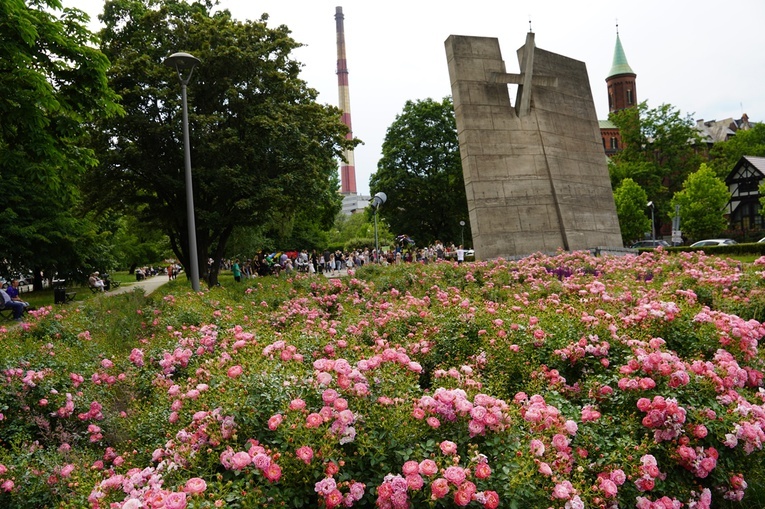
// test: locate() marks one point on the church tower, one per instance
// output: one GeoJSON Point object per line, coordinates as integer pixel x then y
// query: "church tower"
{"type": "Point", "coordinates": [621, 80]}
{"type": "Point", "coordinates": [622, 94]}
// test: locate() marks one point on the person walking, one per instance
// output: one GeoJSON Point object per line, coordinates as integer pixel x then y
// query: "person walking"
{"type": "Point", "coordinates": [237, 270]}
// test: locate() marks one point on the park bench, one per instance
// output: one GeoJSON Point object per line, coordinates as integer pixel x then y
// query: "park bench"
{"type": "Point", "coordinates": [60, 295]}
{"type": "Point", "coordinates": [6, 313]}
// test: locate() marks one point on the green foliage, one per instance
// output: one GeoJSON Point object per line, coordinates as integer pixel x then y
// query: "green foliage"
{"type": "Point", "coordinates": [702, 204]}
{"type": "Point", "coordinates": [421, 173]}
{"type": "Point", "coordinates": [53, 84]}
{"type": "Point", "coordinates": [660, 151]}
{"type": "Point", "coordinates": [630, 208]}
{"type": "Point", "coordinates": [725, 154]}
{"type": "Point", "coordinates": [263, 150]}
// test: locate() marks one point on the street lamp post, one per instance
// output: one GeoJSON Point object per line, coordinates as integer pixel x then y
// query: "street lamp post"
{"type": "Point", "coordinates": [462, 233]}
{"type": "Point", "coordinates": [653, 227]}
{"type": "Point", "coordinates": [182, 62]}
{"type": "Point", "coordinates": [378, 200]}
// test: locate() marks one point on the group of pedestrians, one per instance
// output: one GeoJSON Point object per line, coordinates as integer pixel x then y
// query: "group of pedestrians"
{"type": "Point", "coordinates": [329, 262]}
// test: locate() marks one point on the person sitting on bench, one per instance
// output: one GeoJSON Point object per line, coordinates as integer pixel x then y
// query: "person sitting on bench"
{"type": "Point", "coordinates": [96, 283]}
{"type": "Point", "coordinates": [13, 293]}
{"type": "Point", "coordinates": [16, 306]}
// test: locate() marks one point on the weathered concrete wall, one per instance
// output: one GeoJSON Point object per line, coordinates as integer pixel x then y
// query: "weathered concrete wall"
{"type": "Point", "coordinates": [536, 178]}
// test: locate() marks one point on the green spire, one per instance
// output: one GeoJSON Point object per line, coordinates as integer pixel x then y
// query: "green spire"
{"type": "Point", "coordinates": [620, 65]}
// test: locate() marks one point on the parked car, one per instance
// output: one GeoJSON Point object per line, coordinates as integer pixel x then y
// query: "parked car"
{"type": "Point", "coordinates": [25, 285]}
{"type": "Point", "coordinates": [761, 241]}
{"type": "Point", "coordinates": [650, 243]}
{"type": "Point", "coordinates": [714, 242]}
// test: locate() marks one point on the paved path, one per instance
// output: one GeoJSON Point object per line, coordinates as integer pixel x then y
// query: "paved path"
{"type": "Point", "coordinates": [149, 285]}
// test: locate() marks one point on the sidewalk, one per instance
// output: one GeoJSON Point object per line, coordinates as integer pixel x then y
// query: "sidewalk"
{"type": "Point", "coordinates": [148, 285]}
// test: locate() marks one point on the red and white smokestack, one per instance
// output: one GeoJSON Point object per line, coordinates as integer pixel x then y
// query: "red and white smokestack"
{"type": "Point", "coordinates": [347, 169]}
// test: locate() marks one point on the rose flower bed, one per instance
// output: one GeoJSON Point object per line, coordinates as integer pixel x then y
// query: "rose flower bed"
{"type": "Point", "coordinates": [549, 382]}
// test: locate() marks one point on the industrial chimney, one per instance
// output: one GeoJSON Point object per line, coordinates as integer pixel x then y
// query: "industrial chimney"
{"type": "Point", "coordinates": [347, 169]}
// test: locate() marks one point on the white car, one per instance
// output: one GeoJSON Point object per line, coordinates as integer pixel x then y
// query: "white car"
{"type": "Point", "coordinates": [714, 242]}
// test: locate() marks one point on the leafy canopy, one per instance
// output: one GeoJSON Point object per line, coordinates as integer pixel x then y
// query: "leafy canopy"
{"type": "Point", "coordinates": [263, 151]}
{"type": "Point", "coordinates": [52, 84]}
{"type": "Point", "coordinates": [421, 173]}
{"type": "Point", "coordinates": [660, 151]}
{"type": "Point", "coordinates": [702, 204]}
{"type": "Point", "coordinates": [631, 209]}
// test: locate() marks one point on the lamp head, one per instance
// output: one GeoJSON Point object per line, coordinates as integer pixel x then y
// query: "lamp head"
{"type": "Point", "coordinates": [649, 204]}
{"type": "Point", "coordinates": [379, 199]}
{"type": "Point", "coordinates": [181, 60]}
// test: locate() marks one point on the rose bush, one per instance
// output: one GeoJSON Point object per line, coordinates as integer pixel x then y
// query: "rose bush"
{"type": "Point", "coordinates": [562, 381]}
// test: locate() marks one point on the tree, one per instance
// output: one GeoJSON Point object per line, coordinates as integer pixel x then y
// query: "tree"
{"type": "Point", "coordinates": [263, 151]}
{"type": "Point", "coordinates": [725, 154]}
{"type": "Point", "coordinates": [630, 208]}
{"type": "Point", "coordinates": [52, 83]}
{"type": "Point", "coordinates": [702, 202]}
{"type": "Point", "coordinates": [421, 173]}
{"type": "Point", "coordinates": [660, 151]}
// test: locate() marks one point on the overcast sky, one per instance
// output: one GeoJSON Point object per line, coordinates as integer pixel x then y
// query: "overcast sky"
{"type": "Point", "coordinates": [706, 58]}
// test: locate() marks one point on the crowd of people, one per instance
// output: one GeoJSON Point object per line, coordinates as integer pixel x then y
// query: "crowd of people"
{"type": "Point", "coordinates": [334, 262]}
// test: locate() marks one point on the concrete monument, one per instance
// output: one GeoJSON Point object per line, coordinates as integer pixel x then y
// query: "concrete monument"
{"type": "Point", "coordinates": [535, 172]}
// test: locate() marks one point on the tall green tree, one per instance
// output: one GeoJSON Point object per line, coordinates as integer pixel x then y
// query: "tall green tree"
{"type": "Point", "coordinates": [52, 84]}
{"type": "Point", "coordinates": [661, 148]}
{"type": "Point", "coordinates": [702, 204]}
{"type": "Point", "coordinates": [631, 202]}
{"type": "Point", "coordinates": [725, 154]}
{"type": "Point", "coordinates": [263, 151]}
{"type": "Point", "coordinates": [421, 173]}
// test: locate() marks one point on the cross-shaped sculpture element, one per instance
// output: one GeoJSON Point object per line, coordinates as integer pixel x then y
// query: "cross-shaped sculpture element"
{"type": "Point", "coordinates": [525, 79]}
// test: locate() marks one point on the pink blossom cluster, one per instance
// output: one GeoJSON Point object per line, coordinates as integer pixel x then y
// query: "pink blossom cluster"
{"type": "Point", "coordinates": [734, 331]}
{"type": "Point", "coordinates": [179, 357]}
{"type": "Point", "coordinates": [608, 482]}
{"type": "Point", "coordinates": [751, 434]}
{"type": "Point", "coordinates": [587, 345]}
{"type": "Point", "coordinates": [7, 482]}
{"type": "Point", "coordinates": [737, 487]}
{"type": "Point", "coordinates": [143, 488]}
{"type": "Point", "coordinates": [651, 310]}
{"type": "Point", "coordinates": [484, 412]}
{"type": "Point", "coordinates": [698, 460]}
{"type": "Point", "coordinates": [649, 472]}
{"type": "Point", "coordinates": [394, 491]}
{"type": "Point", "coordinates": [256, 456]}
{"type": "Point", "coordinates": [285, 351]}
{"type": "Point", "coordinates": [329, 490]}
{"type": "Point", "coordinates": [664, 416]}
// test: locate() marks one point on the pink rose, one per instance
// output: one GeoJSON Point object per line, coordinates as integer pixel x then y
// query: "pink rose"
{"type": "Point", "coordinates": [195, 485]}
{"type": "Point", "coordinates": [313, 420]}
{"type": "Point", "coordinates": [175, 500]}
{"type": "Point", "coordinates": [439, 488]}
{"type": "Point", "coordinates": [234, 371]}
{"type": "Point", "coordinates": [275, 421]}
{"type": "Point", "coordinates": [410, 467]}
{"type": "Point", "coordinates": [455, 474]}
{"type": "Point", "coordinates": [482, 470]}
{"type": "Point", "coordinates": [240, 460]}
{"type": "Point", "coordinates": [297, 404]}
{"type": "Point", "coordinates": [428, 467]}
{"type": "Point", "coordinates": [545, 469]}
{"type": "Point", "coordinates": [448, 447]}
{"type": "Point", "coordinates": [305, 453]}
{"type": "Point", "coordinates": [273, 473]}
